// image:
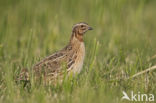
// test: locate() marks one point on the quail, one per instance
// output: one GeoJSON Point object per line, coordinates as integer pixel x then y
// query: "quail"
{"type": "Point", "coordinates": [69, 59]}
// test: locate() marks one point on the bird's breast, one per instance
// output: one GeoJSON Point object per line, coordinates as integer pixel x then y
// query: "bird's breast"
{"type": "Point", "coordinates": [80, 58]}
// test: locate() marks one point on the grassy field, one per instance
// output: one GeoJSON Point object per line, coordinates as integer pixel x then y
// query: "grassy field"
{"type": "Point", "coordinates": [121, 45]}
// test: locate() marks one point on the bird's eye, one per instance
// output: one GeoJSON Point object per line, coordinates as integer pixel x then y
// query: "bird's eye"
{"type": "Point", "coordinates": [82, 26]}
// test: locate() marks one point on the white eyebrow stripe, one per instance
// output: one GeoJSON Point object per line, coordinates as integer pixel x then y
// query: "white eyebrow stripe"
{"type": "Point", "coordinates": [82, 23]}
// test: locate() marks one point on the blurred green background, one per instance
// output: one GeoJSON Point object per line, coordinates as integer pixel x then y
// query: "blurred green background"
{"type": "Point", "coordinates": [121, 45]}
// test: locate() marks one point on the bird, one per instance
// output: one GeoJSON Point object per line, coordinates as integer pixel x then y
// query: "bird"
{"type": "Point", "coordinates": [68, 60]}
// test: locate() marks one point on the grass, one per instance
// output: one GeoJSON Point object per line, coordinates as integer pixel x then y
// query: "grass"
{"type": "Point", "coordinates": [120, 46]}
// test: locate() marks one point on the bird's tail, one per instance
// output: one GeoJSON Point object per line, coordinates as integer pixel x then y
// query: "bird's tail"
{"type": "Point", "coordinates": [23, 77]}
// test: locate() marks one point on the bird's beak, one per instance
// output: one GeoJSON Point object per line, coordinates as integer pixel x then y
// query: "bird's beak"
{"type": "Point", "coordinates": [90, 28]}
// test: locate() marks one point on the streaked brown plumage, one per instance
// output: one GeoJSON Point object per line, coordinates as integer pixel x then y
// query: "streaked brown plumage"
{"type": "Point", "coordinates": [71, 58]}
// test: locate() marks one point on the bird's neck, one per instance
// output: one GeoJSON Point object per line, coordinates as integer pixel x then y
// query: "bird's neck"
{"type": "Point", "coordinates": [76, 37]}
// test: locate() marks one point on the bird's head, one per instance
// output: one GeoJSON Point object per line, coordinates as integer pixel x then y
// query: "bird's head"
{"type": "Point", "coordinates": [81, 28]}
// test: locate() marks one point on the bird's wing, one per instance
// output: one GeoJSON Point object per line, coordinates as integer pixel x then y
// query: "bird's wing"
{"type": "Point", "coordinates": [51, 64]}
{"type": "Point", "coordinates": [56, 64]}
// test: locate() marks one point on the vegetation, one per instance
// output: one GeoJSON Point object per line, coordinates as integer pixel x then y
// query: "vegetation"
{"type": "Point", "coordinates": [121, 45]}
